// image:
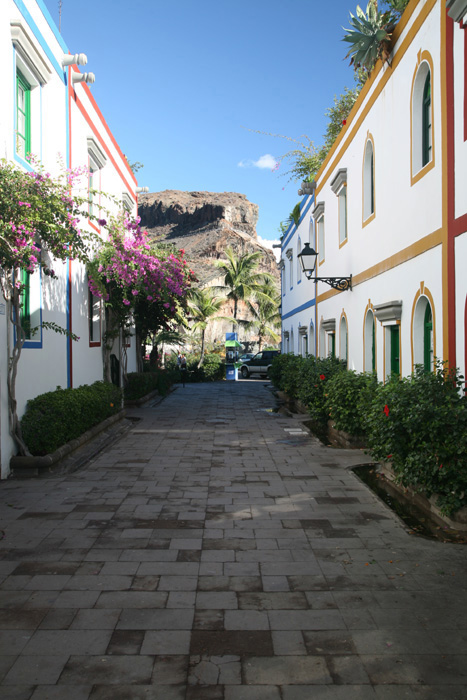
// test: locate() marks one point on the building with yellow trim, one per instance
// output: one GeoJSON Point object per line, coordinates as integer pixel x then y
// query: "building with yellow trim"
{"type": "Point", "coordinates": [390, 209]}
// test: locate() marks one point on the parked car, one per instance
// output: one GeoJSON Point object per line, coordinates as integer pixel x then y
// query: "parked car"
{"type": "Point", "coordinates": [246, 356]}
{"type": "Point", "coordinates": [259, 364]}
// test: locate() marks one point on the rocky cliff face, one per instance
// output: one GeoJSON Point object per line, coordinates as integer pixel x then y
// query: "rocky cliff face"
{"type": "Point", "coordinates": [204, 224]}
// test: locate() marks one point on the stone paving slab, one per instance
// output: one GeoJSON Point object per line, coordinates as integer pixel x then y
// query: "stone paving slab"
{"type": "Point", "coordinates": [217, 551]}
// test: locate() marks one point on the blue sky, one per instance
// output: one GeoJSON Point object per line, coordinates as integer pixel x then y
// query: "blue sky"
{"type": "Point", "coordinates": [183, 86]}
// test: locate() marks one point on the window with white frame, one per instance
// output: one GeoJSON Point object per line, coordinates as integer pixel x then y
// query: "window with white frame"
{"type": "Point", "coordinates": [299, 267]}
{"type": "Point", "coordinates": [370, 342]}
{"type": "Point", "coordinates": [31, 295]}
{"type": "Point", "coordinates": [423, 337]}
{"type": "Point", "coordinates": [318, 215]}
{"type": "Point", "coordinates": [389, 314]}
{"type": "Point", "coordinates": [289, 254]}
{"type": "Point", "coordinates": [339, 187]}
{"type": "Point", "coordinates": [94, 317]}
{"type": "Point", "coordinates": [127, 203]}
{"type": "Point", "coordinates": [33, 70]}
{"type": "Point", "coordinates": [96, 161]}
{"type": "Point", "coordinates": [422, 119]}
{"type": "Point", "coordinates": [368, 181]}
{"type": "Point", "coordinates": [311, 340]}
{"type": "Point", "coordinates": [343, 339]}
{"type": "Point", "coordinates": [303, 340]}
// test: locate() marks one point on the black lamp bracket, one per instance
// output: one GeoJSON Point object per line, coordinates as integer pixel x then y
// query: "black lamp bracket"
{"type": "Point", "coordinates": [340, 283]}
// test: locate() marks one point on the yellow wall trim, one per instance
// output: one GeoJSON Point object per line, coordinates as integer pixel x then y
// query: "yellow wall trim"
{"type": "Point", "coordinates": [412, 251]}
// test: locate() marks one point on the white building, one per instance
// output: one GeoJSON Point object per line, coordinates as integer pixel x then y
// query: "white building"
{"type": "Point", "coordinates": [391, 208]}
{"type": "Point", "coordinates": [48, 110]}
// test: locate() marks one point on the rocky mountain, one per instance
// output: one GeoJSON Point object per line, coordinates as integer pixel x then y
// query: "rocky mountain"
{"type": "Point", "coordinates": [204, 224]}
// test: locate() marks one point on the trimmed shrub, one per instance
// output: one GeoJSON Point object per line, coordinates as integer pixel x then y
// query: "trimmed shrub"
{"type": "Point", "coordinates": [53, 419]}
{"type": "Point", "coordinates": [419, 423]}
{"type": "Point", "coordinates": [348, 400]}
{"type": "Point", "coordinates": [212, 369]}
{"type": "Point", "coordinates": [139, 384]}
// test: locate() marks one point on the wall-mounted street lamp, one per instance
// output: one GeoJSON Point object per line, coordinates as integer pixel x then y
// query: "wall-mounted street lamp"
{"type": "Point", "coordinates": [308, 258]}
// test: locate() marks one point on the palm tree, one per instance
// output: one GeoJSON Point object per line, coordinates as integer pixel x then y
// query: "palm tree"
{"type": "Point", "coordinates": [266, 314]}
{"type": "Point", "coordinates": [202, 306]}
{"type": "Point", "coordinates": [242, 281]}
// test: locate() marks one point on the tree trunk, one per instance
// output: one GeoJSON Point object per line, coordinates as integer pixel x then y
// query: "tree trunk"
{"type": "Point", "coordinates": [14, 304]}
{"type": "Point", "coordinates": [201, 359]}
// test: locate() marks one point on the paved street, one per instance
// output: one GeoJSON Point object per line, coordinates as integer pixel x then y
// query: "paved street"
{"type": "Point", "coordinates": [214, 552]}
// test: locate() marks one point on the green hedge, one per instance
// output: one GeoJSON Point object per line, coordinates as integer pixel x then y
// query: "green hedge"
{"type": "Point", "coordinates": [140, 384]}
{"type": "Point", "coordinates": [53, 419]}
{"type": "Point", "coordinates": [418, 423]}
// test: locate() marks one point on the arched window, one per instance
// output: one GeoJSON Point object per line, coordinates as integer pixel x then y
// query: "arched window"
{"type": "Point", "coordinates": [311, 341]}
{"type": "Point", "coordinates": [423, 338]}
{"type": "Point", "coordinates": [368, 181]}
{"type": "Point", "coordinates": [422, 155]}
{"type": "Point", "coordinates": [322, 341]}
{"type": "Point", "coordinates": [343, 340]}
{"type": "Point", "coordinates": [428, 339]}
{"type": "Point", "coordinates": [370, 342]}
{"type": "Point", "coordinates": [426, 121]}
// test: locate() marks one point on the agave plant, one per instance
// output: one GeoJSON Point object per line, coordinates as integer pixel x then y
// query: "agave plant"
{"type": "Point", "coordinates": [370, 37]}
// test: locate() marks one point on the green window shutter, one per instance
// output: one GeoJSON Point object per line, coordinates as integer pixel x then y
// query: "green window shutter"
{"type": "Point", "coordinates": [332, 342]}
{"type": "Point", "coordinates": [23, 116]}
{"type": "Point", "coordinates": [426, 121]}
{"type": "Point", "coordinates": [395, 360]}
{"type": "Point", "coordinates": [428, 340]}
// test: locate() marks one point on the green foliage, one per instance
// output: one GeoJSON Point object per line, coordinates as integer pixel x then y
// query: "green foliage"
{"type": "Point", "coordinates": [139, 384]}
{"type": "Point", "coordinates": [370, 36]}
{"type": "Point", "coordinates": [348, 397]}
{"type": "Point", "coordinates": [398, 6]}
{"type": "Point", "coordinates": [212, 369]}
{"type": "Point", "coordinates": [53, 419]}
{"type": "Point", "coordinates": [419, 423]}
{"type": "Point", "coordinates": [315, 375]}
{"type": "Point", "coordinates": [266, 314]}
{"type": "Point", "coordinates": [242, 279]}
{"type": "Point", "coordinates": [305, 379]}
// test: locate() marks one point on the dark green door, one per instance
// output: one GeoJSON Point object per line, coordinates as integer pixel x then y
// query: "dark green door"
{"type": "Point", "coordinates": [395, 361]}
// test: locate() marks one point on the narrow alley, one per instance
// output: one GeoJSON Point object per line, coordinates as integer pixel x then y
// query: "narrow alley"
{"type": "Point", "coordinates": [217, 551]}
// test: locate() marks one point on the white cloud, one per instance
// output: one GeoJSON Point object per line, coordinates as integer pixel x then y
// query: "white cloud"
{"type": "Point", "coordinates": [269, 244]}
{"type": "Point", "coordinates": [266, 162]}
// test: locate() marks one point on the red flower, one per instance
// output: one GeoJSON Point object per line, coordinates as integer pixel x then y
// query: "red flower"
{"type": "Point", "coordinates": [344, 122]}
{"type": "Point", "coordinates": [440, 466]}
{"type": "Point", "coordinates": [321, 376]}
{"type": "Point", "coordinates": [388, 456]}
{"type": "Point", "coordinates": [386, 410]}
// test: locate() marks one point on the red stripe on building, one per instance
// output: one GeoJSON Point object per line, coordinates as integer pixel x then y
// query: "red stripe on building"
{"type": "Point", "coordinates": [451, 281]}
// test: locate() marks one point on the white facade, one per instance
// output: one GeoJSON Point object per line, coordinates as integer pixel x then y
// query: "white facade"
{"type": "Point", "coordinates": [298, 311]}
{"type": "Point", "coordinates": [66, 125]}
{"type": "Point", "coordinates": [381, 198]}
